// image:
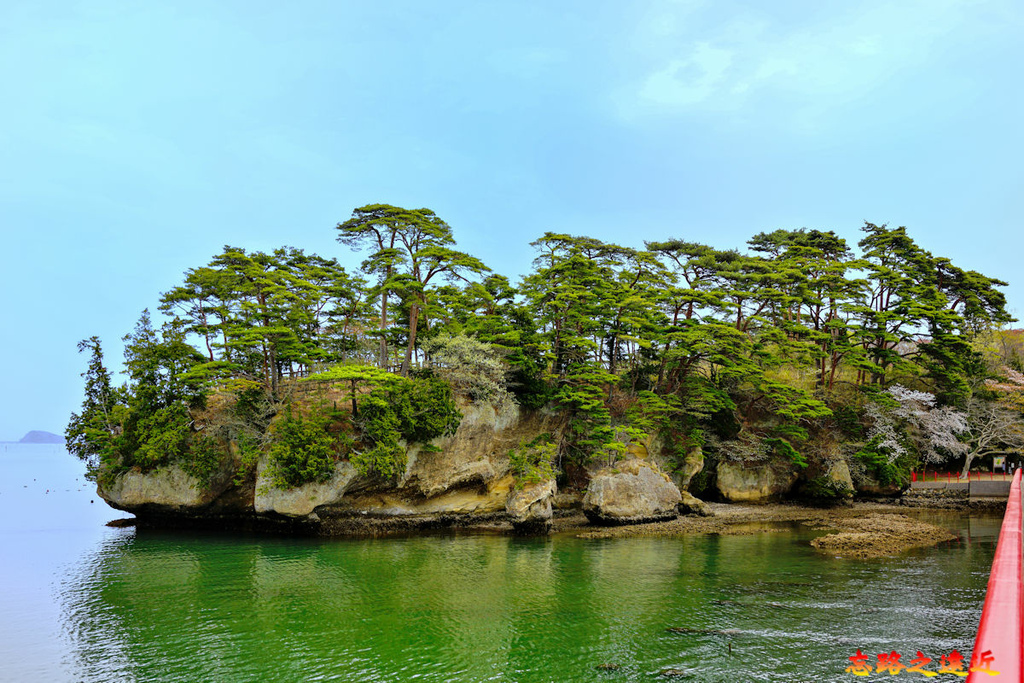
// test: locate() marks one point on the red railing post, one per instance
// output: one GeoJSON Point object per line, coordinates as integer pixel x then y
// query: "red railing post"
{"type": "Point", "coordinates": [1000, 631]}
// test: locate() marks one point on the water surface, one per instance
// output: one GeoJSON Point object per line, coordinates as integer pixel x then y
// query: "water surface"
{"type": "Point", "coordinates": [85, 602]}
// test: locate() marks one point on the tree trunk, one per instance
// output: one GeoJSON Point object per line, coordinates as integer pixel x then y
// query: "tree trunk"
{"type": "Point", "coordinates": [383, 326]}
{"type": "Point", "coordinates": [967, 465]}
{"type": "Point", "coordinates": [414, 318]}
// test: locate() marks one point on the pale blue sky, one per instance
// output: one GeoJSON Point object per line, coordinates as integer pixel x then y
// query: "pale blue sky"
{"type": "Point", "coordinates": [137, 138]}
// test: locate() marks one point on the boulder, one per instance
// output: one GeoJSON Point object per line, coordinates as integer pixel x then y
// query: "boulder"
{"type": "Point", "coordinates": [753, 484]}
{"type": "Point", "coordinates": [839, 476]}
{"type": "Point", "coordinates": [631, 492]}
{"type": "Point", "coordinates": [529, 507]}
{"type": "Point", "coordinates": [871, 487]}
{"type": "Point", "coordinates": [692, 505]}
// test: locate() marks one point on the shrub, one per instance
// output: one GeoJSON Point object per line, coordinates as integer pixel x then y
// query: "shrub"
{"type": "Point", "coordinates": [533, 462]}
{"type": "Point", "coordinates": [470, 366]}
{"type": "Point", "coordinates": [416, 410]}
{"type": "Point", "coordinates": [784, 449]}
{"type": "Point", "coordinates": [161, 437]}
{"type": "Point", "coordinates": [203, 457]}
{"type": "Point", "coordinates": [824, 489]}
{"type": "Point", "coordinates": [302, 450]}
{"type": "Point", "coordinates": [381, 429]}
{"type": "Point", "coordinates": [883, 464]}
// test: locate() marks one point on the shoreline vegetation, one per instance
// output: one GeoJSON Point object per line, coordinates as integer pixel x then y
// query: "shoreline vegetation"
{"type": "Point", "coordinates": [423, 386]}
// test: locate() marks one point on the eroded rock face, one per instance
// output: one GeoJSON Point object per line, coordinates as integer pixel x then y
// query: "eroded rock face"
{"type": "Point", "coordinates": [871, 487]}
{"type": "Point", "coordinates": [739, 484]}
{"type": "Point", "coordinates": [681, 472]}
{"type": "Point", "coordinates": [464, 477]}
{"type": "Point", "coordinates": [692, 464]}
{"type": "Point", "coordinates": [839, 475]}
{"type": "Point", "coordinates": [476, 454]}
{"type": "Point", "coordinates": [631, 492]}
{"type": "Point", "coordinates": [692, 505]}
{"type": "Point", "coordinates": [301, 500]}
{"type": "Point", "coordinates": [390, 502]}
{"type": "Point", "coordinates": [168, 489]}
{"type": "Point", "coordinates": [529, 508]}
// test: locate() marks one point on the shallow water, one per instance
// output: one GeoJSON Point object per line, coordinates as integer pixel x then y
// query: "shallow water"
{"type": "Point", "coordinates": [85, 602]}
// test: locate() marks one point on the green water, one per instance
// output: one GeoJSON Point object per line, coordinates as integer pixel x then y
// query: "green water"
{"type": "Point", "coordinates": [134, 605]}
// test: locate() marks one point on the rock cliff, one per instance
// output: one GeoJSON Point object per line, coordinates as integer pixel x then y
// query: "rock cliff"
{"type": "Point", "coordinates": [463, 479]}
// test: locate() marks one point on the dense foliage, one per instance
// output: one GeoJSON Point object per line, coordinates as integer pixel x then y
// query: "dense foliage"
{"type": "Point", "coordinates": [533, 462]}
{"type": "Point", "coordinates": [747, 354]}
{"type": "Point", "coordinates": [303, 449]}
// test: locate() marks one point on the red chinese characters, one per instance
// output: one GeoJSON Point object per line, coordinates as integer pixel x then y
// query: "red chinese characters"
{"type": "Point", "coordinates": [953, 664]}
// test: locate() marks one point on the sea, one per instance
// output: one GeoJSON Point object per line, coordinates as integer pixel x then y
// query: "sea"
{"type": "Point", "coordinates": [85, 601]}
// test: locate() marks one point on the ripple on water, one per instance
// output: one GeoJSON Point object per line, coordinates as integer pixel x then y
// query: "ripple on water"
{"type": "Point", "coordinates": [183, 607]}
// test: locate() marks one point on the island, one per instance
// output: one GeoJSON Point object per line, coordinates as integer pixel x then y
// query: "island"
{"type": "Point", "coordinates": [625, 385]}
{"type": "Point", "coordinates": [39, 436]}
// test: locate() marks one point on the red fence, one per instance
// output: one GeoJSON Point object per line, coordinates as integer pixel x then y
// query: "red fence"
{"type": "Point", "coordinates": [1000, 638]}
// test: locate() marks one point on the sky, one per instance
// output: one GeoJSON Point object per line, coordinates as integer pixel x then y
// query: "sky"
{"type": "Point", "coordinates": [139, 138]}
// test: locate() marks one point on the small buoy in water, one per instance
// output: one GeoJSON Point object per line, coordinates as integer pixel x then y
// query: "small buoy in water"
{"type": "Point", "coordinates": [91, 502]}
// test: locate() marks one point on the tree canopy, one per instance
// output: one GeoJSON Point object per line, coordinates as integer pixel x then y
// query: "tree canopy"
{"type": "Point", "coordinates": [676, 337]}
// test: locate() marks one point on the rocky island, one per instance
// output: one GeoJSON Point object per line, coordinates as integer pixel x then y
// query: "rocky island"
{"type": "Point", "coordinates": [621, 387]}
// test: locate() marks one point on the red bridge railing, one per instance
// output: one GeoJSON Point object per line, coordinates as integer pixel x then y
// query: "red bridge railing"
{"type": "Point", "coordinates": [1000, 637]}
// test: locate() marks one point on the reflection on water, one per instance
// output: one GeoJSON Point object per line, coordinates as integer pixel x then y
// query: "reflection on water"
{"type": "Point", "coordinates": [88, 603]}
{"type": "Point", "coordinates": [174, 607]}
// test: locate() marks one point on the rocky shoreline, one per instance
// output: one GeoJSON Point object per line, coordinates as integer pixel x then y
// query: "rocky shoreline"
{"type": "Point", "coordinates": [862, 530]}
{"type": "Point", "coordinates": [467, 482]}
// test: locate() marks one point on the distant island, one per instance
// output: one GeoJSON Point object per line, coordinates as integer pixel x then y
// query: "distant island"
{"type": "Point", "coordinates": [37, 436]}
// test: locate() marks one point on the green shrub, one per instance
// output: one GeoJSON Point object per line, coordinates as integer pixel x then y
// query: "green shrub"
{"type": "Point", "coordinates": [848, 420]}
{"type": "Point", "coordinates": [416, 410]}
{"type": "Point", "coordinates": [203, 457]}
{"type": "Point", "coordinates": [249, 455]}
{"type": "Point", "coordinates": [827, 490]}
{"type": "Point", "coordinates": [883, 468]}
{"type": "Point", "coordinates": [156, 438]}
{"type": "Point", "coordinates": [533, 462]}
{"type": "Point", "coordinates": [784, 449]}
{"type": "Point", "coordinates": [302, 450]}
{"type": "Point", "coordinates": [381, 429]}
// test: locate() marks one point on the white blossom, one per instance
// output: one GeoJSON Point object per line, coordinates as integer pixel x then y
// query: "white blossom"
{"type": "Point", "coordinates": [934, 431]}
{"type": "Point", "coordinates": [471, 367]}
